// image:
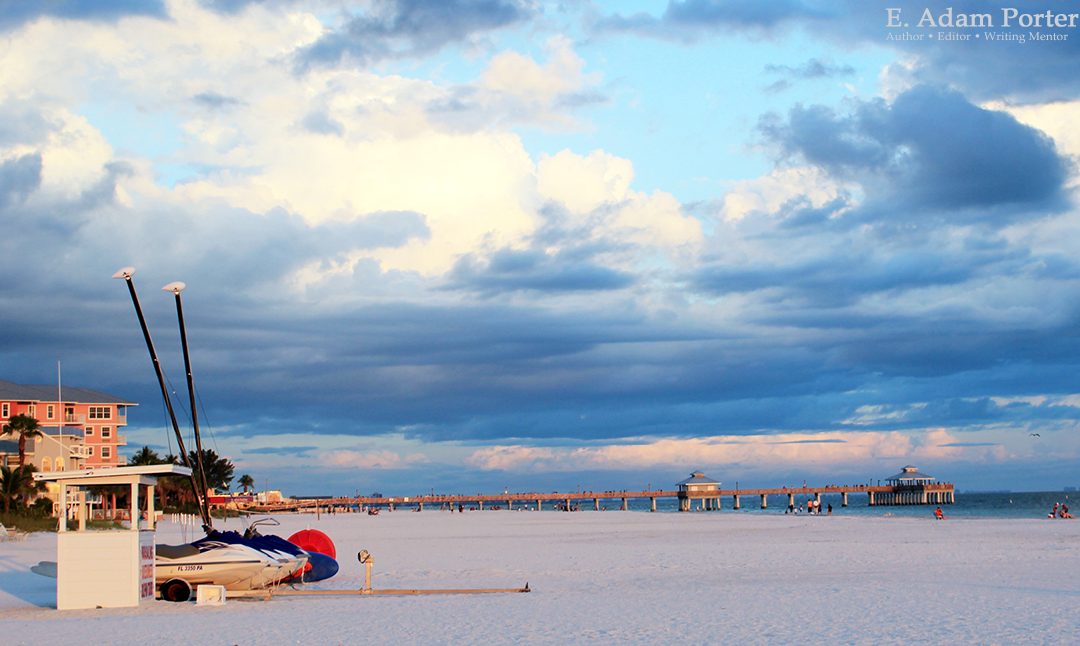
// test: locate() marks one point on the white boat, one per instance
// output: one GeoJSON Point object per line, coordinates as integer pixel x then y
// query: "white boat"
{"type": "Point", "coordinates": [237, 562]}
{"type": "Point", "coordinates": [226, 559]}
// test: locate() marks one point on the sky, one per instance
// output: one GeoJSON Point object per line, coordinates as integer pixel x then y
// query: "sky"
{"type": "Point", "coordinates": [469, 245]}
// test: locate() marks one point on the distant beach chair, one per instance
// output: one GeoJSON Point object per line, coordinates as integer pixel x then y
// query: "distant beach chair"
{"type": "Point", "coordinates": [10, 534]}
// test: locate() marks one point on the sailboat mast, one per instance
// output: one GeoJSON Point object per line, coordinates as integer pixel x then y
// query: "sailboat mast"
{"type": "Point", "coordinates": [176, 288]}
{"type": "Point", "coordinates": [126, 275]}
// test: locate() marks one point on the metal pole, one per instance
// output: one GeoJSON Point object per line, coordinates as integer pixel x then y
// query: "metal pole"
{"type": "Point", "coordinates": [176, 288]}
{"type": "Point", "coordinates": [126, 274]}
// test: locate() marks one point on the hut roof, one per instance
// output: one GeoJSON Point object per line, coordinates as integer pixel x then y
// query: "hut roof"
{"type": "Point", "coordinates": [910, 473]}
{"type": "Point", "coordinates": [698, 477]}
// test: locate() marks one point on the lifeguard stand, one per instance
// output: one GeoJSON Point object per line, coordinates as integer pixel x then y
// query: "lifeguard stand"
{"type": "Point", "coordinates": [106, 568]}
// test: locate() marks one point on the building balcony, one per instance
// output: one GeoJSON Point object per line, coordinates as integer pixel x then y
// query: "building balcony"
{"type": "Point", "coordinates": [121, 440]}
{"type": "Point", "coordinates": [74, 419]}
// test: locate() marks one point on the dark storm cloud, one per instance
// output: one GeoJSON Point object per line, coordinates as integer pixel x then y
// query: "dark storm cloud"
{"type": "Point", "coordinates": [405, 28]}
{"type": "Point", "coordinates": [14, 13]}
{"type": "Point", "coordinates": [533, 270]}
{"type": "Point", "coordinates": [840, 279]}
{"type": "Point", "coordinates": [929, 150]}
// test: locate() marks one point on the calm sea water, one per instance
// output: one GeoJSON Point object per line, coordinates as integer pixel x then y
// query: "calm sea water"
{"type": "Point", "coordinates": [1027, 504]}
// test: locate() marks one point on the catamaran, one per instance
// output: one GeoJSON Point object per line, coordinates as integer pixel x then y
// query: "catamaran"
{"type": "Point", "coordinates": [236, 561]}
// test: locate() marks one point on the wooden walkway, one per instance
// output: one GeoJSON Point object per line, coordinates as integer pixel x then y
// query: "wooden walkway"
{"type": "Point", "coordinates": [927, 494]}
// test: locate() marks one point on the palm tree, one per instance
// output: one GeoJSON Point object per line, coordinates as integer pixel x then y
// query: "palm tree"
{"type": "Point", "coordinates": [219, 470]}
{"type": "Point", "coordinates": [147, 456]}
{"type": "Point", "coordinates": [25, 427]}
{"type": "Point", "coordinates": [247, 482]}
{"type": "Point", "coordinates": [16, 485]}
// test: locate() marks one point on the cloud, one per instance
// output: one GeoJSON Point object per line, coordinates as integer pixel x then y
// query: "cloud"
{"type": "Point", "coordinates": [509, 270]}
{"type": "Point", "coordinates": [407, 28]}
{"type": "Point", "coordinates": [784, 452]}
{"type": "Point", "coordinates": [928, 150]}
{"type": "Point", "coordinates": [19, 177]}
{"type": "Point", "coordinates": [14, 13]}
{"type": "Point", "coordinates": [982, 69]}
{"type": "Point", "coordinates": [293, 451]}
{"type": "Point", "coordinates": [371, 459]}
{"type": "Point", "coordinates": [690, 20]}
{"type": "Point", "coordinates": [811, 69]}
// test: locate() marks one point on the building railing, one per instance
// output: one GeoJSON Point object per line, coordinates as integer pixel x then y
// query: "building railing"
{"type": "Point", "coordinates": [74, 419]}
{"type": "Point", "coordinates": [121, 440]}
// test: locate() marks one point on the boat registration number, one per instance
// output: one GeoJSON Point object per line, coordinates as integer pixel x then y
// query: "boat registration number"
{"type": "Point", "coordinates": [189, 568]}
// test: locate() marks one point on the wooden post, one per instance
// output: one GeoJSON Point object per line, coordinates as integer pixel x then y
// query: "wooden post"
{"type": "Point", "coordinates": [764, 501]}
{"type": "Point", "coordinates": [625, 506]}
{"type": "Point", "coordinates": [652, 506]}
{"type": "Point", "coordinates": [843, 499]}
{"type": "Point", "coordinates": [737, 505]}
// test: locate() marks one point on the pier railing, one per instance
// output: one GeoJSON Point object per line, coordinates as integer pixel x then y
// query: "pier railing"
{"type": "Point", "coordinates": [709, 499]}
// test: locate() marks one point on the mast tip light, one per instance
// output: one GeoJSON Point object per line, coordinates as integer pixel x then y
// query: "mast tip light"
{"type": "Point", "coordinates": [175, 287]}
{"type": "Point", "coordinates": [125, 273]}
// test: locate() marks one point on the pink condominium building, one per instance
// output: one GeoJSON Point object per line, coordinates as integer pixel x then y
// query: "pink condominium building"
{"type": "Point", "coordinates": [81, 427]}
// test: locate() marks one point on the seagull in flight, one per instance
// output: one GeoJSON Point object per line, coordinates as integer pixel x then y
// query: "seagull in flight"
{"type": "Point", "coordinates": [1034, 435]}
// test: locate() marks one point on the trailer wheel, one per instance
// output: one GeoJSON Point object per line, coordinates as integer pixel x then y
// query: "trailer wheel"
{"type": "Point", "coordinates": [176, 590]}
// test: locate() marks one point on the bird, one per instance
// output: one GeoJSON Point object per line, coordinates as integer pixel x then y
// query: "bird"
{"type": "Point", "coordinates": [1034, 435]}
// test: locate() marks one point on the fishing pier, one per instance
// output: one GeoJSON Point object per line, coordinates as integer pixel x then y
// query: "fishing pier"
{"type": "Point", "coordinates": [697, 492]}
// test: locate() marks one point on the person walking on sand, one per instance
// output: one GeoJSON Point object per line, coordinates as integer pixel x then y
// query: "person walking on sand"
{"type": "Point", "coordinates": [1054, 511]}
{"type": "Point", "coordinates": [940, 515]}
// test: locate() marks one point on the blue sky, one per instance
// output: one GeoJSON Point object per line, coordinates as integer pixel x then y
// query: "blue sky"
{"type": "Point", "coordinates": [470, 245]}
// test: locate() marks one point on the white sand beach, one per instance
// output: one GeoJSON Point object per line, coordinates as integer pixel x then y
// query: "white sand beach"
{"type": "Point", "coordinates": [620, 578]}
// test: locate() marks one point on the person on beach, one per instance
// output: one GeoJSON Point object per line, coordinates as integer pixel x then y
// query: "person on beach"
{"type": "Point", "coordinates": [1054, 511]}
{"type": "Point", "coordinates": [1065, 511]}
{"type": "Point", "coordinates": [830, 509]}
{"type": "Point", "coordinates": [940, 515]}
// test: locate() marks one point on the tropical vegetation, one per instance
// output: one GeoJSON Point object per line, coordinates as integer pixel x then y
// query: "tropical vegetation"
{"type": "Point", "coordinates": [26, 428]}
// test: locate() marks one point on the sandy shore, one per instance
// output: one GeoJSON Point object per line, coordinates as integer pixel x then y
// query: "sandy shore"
{"type": "Point", "coordinates": [619, 578]}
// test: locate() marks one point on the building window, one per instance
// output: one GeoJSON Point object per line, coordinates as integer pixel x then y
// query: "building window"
{"type": "Point", "coordinates": [89, 430]}
{"type": "Point", "coordinates": [89, 451]}
{"type": "Point", "coordinates": [100, 412]}
{"type": "Point", "coordinates": [50, 411]}
{"type": "Point", "coordinates": [106, 452]}
{"type": "Point", "coordinates": [59, 464]}
{"type": "Point", "coordinates": [31, 410]}
{"type": "Point", "coordinates": [46, 464]}
{"type": "Point", "coordinates": [106, 431]}
{"type": "Point", "coordinates": [5, 410]}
